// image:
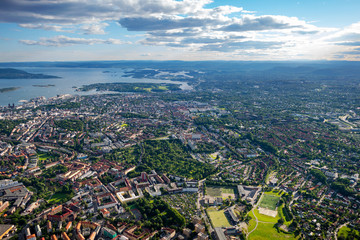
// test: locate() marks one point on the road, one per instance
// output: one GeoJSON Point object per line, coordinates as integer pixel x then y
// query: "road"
{"type": "Point", "coordinates": [257, 221]}
{"type": "Point", "coordinates": [201, 210]}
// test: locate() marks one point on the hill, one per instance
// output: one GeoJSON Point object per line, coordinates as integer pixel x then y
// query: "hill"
{"type": "Point", "coordinates": [11, 73]}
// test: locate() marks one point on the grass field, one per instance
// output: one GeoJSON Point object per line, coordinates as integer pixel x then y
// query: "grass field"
{"type": "Point", "coordinates": [265, 218]}
{"type": "Point", "coordinates": [213, 191]}
{"type": "Point", "coordinates": [345, 231]}
{"type": "Point", "coordinates": [220, 192]}
{"type": "Point", "coordinates": [43, 156]}
{"type": "Point", "coordinates": [228, 190]}
{"type": "Point", "coordinates": [218, 218]}
{"type": "Point", "coordinates": [266, 231]}
{"type": "Point", "coordinates": [269, 201]}
{"type": "Point", "coordinates": [252, 222]}
{"type": "Point", "coordinates": [58, 198]}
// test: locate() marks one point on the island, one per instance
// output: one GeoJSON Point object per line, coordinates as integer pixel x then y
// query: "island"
{"type": "Point", "coordinates": [11, 73]}
{"type": "Point", "coordinates": [43, 85]}
{"type": "Point", "coordinates": [8, 89]}
{"type": "Point", "coordinates": [131, 87]}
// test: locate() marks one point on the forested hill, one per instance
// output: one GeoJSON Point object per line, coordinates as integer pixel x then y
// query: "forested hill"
{"type": "Point", "coordinates": [11, 73]}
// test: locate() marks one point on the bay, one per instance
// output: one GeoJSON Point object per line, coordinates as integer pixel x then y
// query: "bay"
{"type": "Point", "coordinates": [70, 78]}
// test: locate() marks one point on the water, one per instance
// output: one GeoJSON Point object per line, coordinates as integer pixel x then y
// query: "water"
{"type": "Point", "coordinates": [70, 77]}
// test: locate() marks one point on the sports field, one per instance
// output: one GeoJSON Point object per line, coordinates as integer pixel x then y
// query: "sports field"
{"type": "Point", "coordinates": [223, 192]}
{"type": "Point", "coordinates": [269, 201]}
{"type": "Point", "coordinates": [218, 218]}
{"type": "Point", "coordinates": [266, 231]}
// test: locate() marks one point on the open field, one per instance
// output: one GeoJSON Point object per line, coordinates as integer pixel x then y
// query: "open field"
{"type": "Point", "coordinates": [252, 222]}
{"type": "Point", "coordinates": [266, 231]}
{"type": "Point", "coordinates": [218, 218]}
{"type": "Point", "coordinates": [223, 192]}
{"type": "Point", "coordinates": [275, 192]}
{"type": "Point", "coordinates": [269, 201]}
{"type": "Point", "coordinates": [43, 156]}
{"type": "Point", "coordinates": [58, 198]}
{"type": "Point", "coordinates": [265, 218]}
{"type": "Point", "coordinates": [213, 191]}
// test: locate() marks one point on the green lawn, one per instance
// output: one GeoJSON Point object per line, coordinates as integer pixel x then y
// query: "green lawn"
{"type": "Point", "coordinates": [281, 215]}
{"type": "Point", "coordinates": [213, 191]}
{"type": "Point", "coordinates": [344, 233]}
{"type": "Point", "coordinates": [218, 218]}
{"type": "Point", "coordinates": [266, 231]}
{"type": "Point", "coordinates": [252, 222]}
{"type": "Point", "coordinates": [165, 88]}
{"type": "Point", "coordinates": [132, 206]}
{"type": "Point", "coordinates": [228, 190]}
{"type": "Point", "coordinates": [269, 201]}
{"type": "Point", "coordinates": [58, 197]}
{"type": "Point", "coordinates": [43, 156]}
{"type": "Point", "coordinates": [217, 191]}
{"type": "Point", "coordinates": [275, 192]}
{"type": "Point", "coordinates": [265, 218]}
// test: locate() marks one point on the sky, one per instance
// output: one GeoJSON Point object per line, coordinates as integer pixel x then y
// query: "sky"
{"type": "Point", "coordinates": [265, 30]}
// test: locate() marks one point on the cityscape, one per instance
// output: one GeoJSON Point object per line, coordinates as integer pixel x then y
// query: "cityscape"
{"type": "Point", "coordinates": [179, 120]}
{"type": "Point", "coordinates": [218, 161]}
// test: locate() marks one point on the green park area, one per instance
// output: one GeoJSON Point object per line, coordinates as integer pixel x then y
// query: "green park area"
{"type": "Point", "coordinates": [269, 201]}
{"type": "Point", "coordinates": [348, 233]}
{"type": "Point", "coordinates": [223, 192]}
{"type": "Point", "coordinates": [59, 198]}
{"type": "Point", "coordinates": [268, 231]}
{"type": "Point", "coordinates": [43, 156]}
{"type": "Point", "coordinates": [266, 227]}
{"type": "Point", "coordinates": [218, 218]}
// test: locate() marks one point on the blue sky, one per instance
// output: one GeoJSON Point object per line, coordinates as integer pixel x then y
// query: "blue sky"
{"type": "Point", "coordinates": [71, 30]}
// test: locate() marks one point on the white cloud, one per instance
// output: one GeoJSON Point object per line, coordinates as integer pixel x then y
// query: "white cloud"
{"type": "Point", "coordinates": [81, 11]}
{"type": "Point", "coordinates": [96, 28]}
{"type": "Point", "coordinates": [187, 24]}
{"type": "Point", "coordinates": [68, 41]}
{"type": "Point", "coordinates": [48, 27]}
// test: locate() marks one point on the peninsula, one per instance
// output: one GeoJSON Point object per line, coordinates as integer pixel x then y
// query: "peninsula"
{"type": "Point", "coordinates": [11, 73]}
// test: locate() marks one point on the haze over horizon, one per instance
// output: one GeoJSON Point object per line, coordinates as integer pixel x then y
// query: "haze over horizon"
{"type": "Point", "coordinates": [78, 30]}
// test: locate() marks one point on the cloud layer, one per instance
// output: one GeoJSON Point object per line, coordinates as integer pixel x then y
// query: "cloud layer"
{"type": "Point", "coordinates": [186, 25]}
{"type": "Point", "coordinates": [68, 41]}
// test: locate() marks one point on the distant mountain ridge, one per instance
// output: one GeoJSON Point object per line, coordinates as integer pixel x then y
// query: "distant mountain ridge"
{"type": "Point", "coordinates": [11, 73]}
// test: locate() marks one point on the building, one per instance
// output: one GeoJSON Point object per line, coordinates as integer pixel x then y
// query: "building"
{"type": "Point", "coordinates": [167, 233]}
{"type": "Point", "coordinates": [68, 226]}
{"type": "Point", "coordinates": [65, 236]}
{"type": "Point", "coordinates": [109, 233]}
{"type": "Point", "coordinates": [196, 219]}
{"type": "Point", "coordinates": [31, 237]}
{"type": "Point", "coordinates": [219, 234]}
{"type": "Point", "coordinates": [5, 229]}
{"type": "Point", "coordinates": [85, 224]}
{"type": "Point", "coordinates": [49, 227]}
{"type": "Point", "coordinates": [27, 231]}
{"type": "Point", "coordinates": [202, 236]}
{"type": "Point", "coordinates": [38, 231]}
{"type": "Point", "coordinates": [231, 216]}
{"type": "Point", "coordinates": [3, 206]}
{"type": "Point", "coordinates": [248, 193]}
{"type": "Point", "coordinates": [60, 213]}
{"type": "Point", "coordinates": [105, 212]}
{"type": "Point", "coordinates": [130, 233]}
{"type": "Point", "coordinates": [199, 228]}
{"type": "Point", "coordinates": [106, 200]}
{"type": "Point", "coordinates": [187, 232]}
